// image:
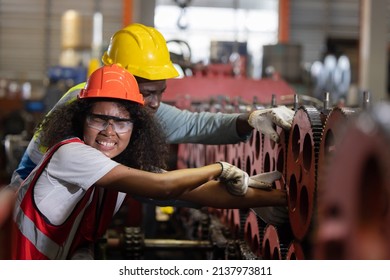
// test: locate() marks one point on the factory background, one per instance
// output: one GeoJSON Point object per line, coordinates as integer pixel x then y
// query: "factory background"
{"type": "Point", "coordinates": [327, 59]}
{"type": "Point", "coordinates": [318, 27]}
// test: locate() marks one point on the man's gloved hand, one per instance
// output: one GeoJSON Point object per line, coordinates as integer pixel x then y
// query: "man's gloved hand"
{"type": "Point", "coordinates": [235, 179]}
{"type": "Point", "coordinates": [264, 119]}
{"type": "Point", "coordinates": [264, 180]}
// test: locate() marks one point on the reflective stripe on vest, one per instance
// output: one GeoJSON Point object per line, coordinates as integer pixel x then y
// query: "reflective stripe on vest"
{"type": "Point", "coordinates": [43, 243]}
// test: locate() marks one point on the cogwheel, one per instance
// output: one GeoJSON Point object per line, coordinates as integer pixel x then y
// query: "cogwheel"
{"type": "Point", "coordinates": [332, 134]}
{"type": "Point", "coordinates": [353, 216]}
{"type": "Point", "coordinates": [253, 232]}
{"type": "Point", "coordinates": [275, 243]}
{"type": "Point", "coordinates": [302, 159]}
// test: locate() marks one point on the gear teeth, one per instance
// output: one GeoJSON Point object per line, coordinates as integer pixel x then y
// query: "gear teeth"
{"type": "Point", "coordinates": [317, 129]}
{"type": "Point", "coordinates": [243, 216]}
{"type": "Point", "coordinates": [313, 116]}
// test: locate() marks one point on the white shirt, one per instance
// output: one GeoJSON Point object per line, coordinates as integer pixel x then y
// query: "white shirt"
{"type": "Point", "coordinates": [72, 170]}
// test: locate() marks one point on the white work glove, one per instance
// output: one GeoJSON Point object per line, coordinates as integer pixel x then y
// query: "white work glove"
{"type": "Point", "coordinates": [265, 180]}
{"type": "Point", "coordinates": [264, 119]}
{"type": "Point", "coordinates": [235, 179]}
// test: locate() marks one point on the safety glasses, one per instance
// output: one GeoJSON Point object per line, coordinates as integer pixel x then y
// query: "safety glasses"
{"type": "Point", "coordinates": [101, 122]}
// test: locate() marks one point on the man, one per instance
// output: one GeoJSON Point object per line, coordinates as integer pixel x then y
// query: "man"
{"type": "Point", "coordinates": [142, 50]}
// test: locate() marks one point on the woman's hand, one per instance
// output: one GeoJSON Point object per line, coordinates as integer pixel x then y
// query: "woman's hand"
{"type": "Point", "coordinates": [235, 179]}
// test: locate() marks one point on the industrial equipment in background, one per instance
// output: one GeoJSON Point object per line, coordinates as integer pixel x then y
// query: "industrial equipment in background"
{"type": "Point", "coordinates": [337, 191]}
{"type": "Point", "coordinates": [227, 58]}
{"type": "Point", "coordinates": [332, 75]}
{"type": "Point", "coordinates": [335, 160]}
{"type": "Point", "coordinates": [18, 117]}
{"type": "Point", "coordinates": [182, 22]}
{"type": "Point", "coordinates": [304, 155]}
{"type": "Point", "coordinates": [231, 53]}
{"type": "Point", "coordinates": [80, 54]}
{"type": "Point", "coordinates": [283, 60]}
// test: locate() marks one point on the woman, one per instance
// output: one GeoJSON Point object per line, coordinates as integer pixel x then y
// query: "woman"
{"type": "Point", "coordinates": [101, 147]}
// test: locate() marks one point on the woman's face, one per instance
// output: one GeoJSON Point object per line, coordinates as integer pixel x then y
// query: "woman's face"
{"type": "Point", "coordinates": [108, 128]}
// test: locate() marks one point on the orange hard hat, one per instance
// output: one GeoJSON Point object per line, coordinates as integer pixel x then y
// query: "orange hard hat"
{"type": "Point", "coordinates": [112, 81]}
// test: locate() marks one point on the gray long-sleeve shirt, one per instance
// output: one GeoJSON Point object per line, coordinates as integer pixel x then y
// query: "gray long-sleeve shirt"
{"type": "Point", "coordinates": [183, 126]}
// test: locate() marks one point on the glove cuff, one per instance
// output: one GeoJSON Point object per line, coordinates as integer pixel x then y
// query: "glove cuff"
{"type": "Point", "coordinates": [251, 117]}
{"type": "Point", "coordinates": [226, 167]}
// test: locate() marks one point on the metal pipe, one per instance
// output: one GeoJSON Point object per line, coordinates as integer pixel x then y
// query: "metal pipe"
{"type": "Point", "coordinates": [326, 102]}
{"type": "Point", "coordinates": [296, 102]}
{"type": "Point", "coordinates": [273, 100]}
{"type": "Point", "coordinates": [113, 242]}
{"type": "Point", "coordinates": [366, 100]}
{"type": "Point", "coordinates": [177, 244]}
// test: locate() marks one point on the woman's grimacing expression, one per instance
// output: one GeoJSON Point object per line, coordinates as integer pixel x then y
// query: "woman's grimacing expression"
{"type": "Point", "coordinates": [107, 139]}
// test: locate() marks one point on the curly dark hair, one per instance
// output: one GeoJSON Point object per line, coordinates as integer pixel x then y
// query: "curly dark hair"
{"type": "Point", "coordinates": [147, 148]}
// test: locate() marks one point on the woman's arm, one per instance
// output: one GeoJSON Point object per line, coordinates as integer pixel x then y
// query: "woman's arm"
{"type": "Point", "coordinates": [214, 194]}
{"type": "Point", "coordinates": [166, 185]}
{"type": "Point", "coordinates": [7, 202]}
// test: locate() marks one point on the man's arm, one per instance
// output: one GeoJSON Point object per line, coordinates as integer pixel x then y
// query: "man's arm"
{"type": "Point", "coordinates": [183, 126]}
{"type": "Point", "coordinates": [214, 194]}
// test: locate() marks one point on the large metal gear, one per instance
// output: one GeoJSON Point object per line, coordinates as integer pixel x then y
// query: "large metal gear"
{"type": "Point", "coordinates": [295, 251]}
{"type": "Point", "coordinates": [252, 152]}
{"type": "Point", "coordinates": [302, 157]}
{"type": "Point", "coordinates": [234, 223]}
{"type": "Point", "coordinates": [354, 210]}
{"type": "Point", "coordinates": [334, 164]}
{"type": "Point", "coordinates": [275, 156]}
{"type": "Point", "coordinates": [332, 134]}
{"type": "Point", "coordinates": [253, 233]}
{"type": "Point", "coordinates": [233, 154]}
{"type": "Point", "coordinates": [275, 243]}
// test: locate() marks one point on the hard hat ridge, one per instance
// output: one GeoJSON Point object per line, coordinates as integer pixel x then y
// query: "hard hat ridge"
{"type": "Point", "coordinates": [143, 51]}
{"type": "Point", "coordinates": [112, 81]}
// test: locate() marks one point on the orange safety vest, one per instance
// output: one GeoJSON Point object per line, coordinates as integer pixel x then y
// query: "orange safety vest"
{"type": "Point", "coordinates": [36, 238]}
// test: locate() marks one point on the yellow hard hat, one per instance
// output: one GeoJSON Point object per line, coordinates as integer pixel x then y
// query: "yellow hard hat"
{"type": "Point", "coordinates": [142, 50]}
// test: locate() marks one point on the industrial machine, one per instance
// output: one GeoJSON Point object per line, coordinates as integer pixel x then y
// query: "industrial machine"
{"type": "Point", "coordinates": [332, 213]}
